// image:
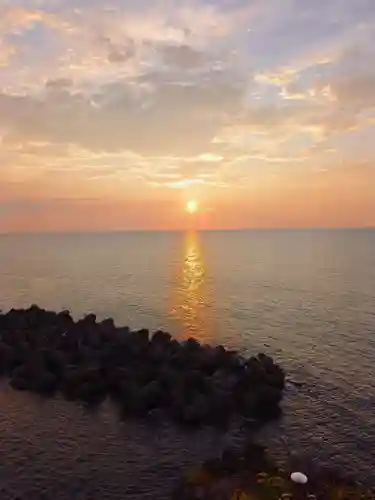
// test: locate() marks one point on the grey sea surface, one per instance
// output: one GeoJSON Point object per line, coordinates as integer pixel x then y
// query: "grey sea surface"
{"type": "Point", "coordinates": [306, 297]}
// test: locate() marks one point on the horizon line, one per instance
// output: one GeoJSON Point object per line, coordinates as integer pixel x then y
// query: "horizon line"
{"type": "Point", "coordinates": [188, 230]}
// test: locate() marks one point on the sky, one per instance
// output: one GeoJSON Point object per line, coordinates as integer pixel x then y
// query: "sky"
{"type": "Point", "coordinates": [115, 113]}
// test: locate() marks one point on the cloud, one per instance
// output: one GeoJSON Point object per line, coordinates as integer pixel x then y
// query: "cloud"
{"type": "Point", "coordinates": [7, 52]}
{"type": "Point", "coordinates": [48, 162]}
{"type": "Point", "coordinates": [16, 20]}
{"type": "Point", "coordinates": [280, 78]}
{"type": "Point", "coordinates": [179, 118]}
{"type": "Point", "coordinates": [89, 41]}
{"type": "Point", "coordinates": [314, 101]}
{"type": "Point", "coordinates": [355, 91]}
{"type": "Point", "coordinates": [59, 84]}
{"type": "Point", "coordinates": [183, 96]}
{"type": "Point", "coordinates": [182, 56]}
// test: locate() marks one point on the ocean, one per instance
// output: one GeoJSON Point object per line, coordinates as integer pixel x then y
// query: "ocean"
{"type": "Point", "coordinates": [306, 297]}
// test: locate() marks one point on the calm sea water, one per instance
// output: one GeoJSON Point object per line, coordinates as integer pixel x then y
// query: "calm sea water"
{"type": "Point", "coordinates": [305, 297]}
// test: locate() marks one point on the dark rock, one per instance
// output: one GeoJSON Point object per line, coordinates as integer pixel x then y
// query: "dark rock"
{"type": "Point", "coordinates": [255, 457]}
{"type": "Point", "coordinates": [267, 399]}
{"type": "Point", "coordinates": [134, 400]}
{"type": "Point", "coordinates": [194, 381]}
{"type": "Point", "coordinates": [156, 416]}
{"type": "Point", "coordinates": [107, 329]}
{"type": "Point", "coordinates": [274, 374]}
{"type": "Point", "coordinates": [90, 319]}
{"type": "Point", "coordinates": [254, 370]}
{"type": "Point", "coordinates": [192, 344]}
{"type": "Point", "coordinates": [222, 381]}
{"type": "Point", "coordinates": [231, 462]}
{"type": "Point", "coordinates": [138, 343]}
{"type": "Point", "coordinates": [221, 408]}
{"type": "Point", "coordinates": [31, 378]}
{"type": "Point", "coordinates": [153, 395]}
{"type": "Point", "coordinates": [44, 351]}
{"type": "Point", "coordinates": [83, 383]}
{"type": "Point", "coordinates": [160, 337]}
{"type": "Point", "coordinates": [64, 319]}
{"type": "Point", "coordinates": [195, 412]}
{"type": "Point", "coordinates": [55, 362]}
{"type": "Point", "coordinates": [213, 466]}
{"type": "Point", "coordinates": [45, 383]}
{"type": "Point", "coordinates": [20, 383]}
{"type": "Point", "coordinates": [144, 334]}
{"type": "Point", "coordinates": [6, 358]}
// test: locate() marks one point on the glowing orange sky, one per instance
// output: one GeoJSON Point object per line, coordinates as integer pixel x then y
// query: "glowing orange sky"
{"type": "Point", "coordinates": [112, 118]}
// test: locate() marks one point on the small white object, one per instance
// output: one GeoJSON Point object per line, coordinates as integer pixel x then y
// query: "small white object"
{"type": "Point", "coordinates": [298, 477]}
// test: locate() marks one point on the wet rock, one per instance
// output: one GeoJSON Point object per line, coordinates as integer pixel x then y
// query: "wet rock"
{"type": "Point", "coordinates": [44, 351]}
{"type": "Point", "coordinates": [221, 409]}
{"type": "Point", "coordinates": [64, 319]}
{"type": "Point", "coordinates": [192, 345]}
{"type": "Point", "coordinates": [268, 397]}
{"type": "Point", "coordinates": [231, 462]}
{"type": "Point", "coordinates": [161, 337]}
{"type": "Point", "coordinates": [253, 473]}
{"type": "Point", "coordinates": [138, 343]}
{"type": "Point", "coordinates": [107, 330]}
{"type": "Point", "coordinates": [55, 362]}
{"type": "Point", "coordinates": [32, 378]}
{"type": "Point", "coordinates": [144, 335]}
{"type": "Point", "coordinates": [153, 395]}
{"type": "Point", "coordinates": [134, 400]}
{"type": "Point", "coordinates": [84, 383]}
{"type": "Point", "coordinates": [89, 319]}
{"type": "Point", "coordinates": [194, 412]}
{"type": "Point", "coordinates": [6, 358]}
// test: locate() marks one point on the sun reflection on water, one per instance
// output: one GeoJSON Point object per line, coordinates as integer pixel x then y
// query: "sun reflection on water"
{"type": "Point", "coordinates": [191, 306]}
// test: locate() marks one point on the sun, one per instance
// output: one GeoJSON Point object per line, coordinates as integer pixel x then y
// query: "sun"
{"type": "Point", "coordinates": [192, 206]}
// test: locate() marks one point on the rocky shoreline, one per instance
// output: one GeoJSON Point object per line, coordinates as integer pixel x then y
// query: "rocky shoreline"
{"type": "Point", "coordinates": [47, 352]}
{"type": "Point", "coordinates": [253, 474]}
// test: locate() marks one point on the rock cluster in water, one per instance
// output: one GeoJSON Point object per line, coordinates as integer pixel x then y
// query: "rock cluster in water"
{"type": "Point", "coordinates": [48, 352]}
